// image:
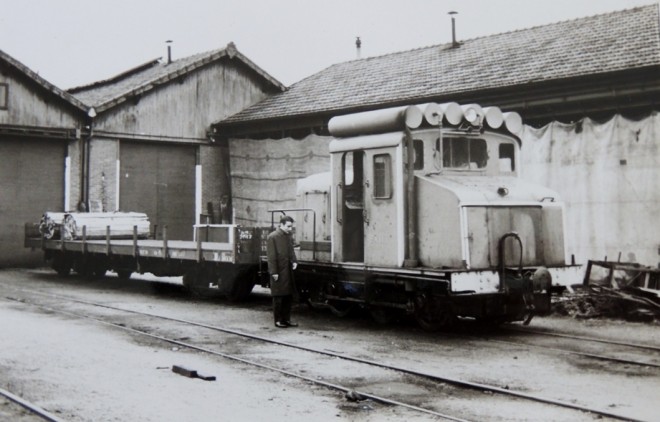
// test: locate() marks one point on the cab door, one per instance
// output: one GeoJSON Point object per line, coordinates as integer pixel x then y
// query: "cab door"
{"type": "Point", "coordinates": [348, 206]}
{"type": "Point", "coordinates": [383, 207]}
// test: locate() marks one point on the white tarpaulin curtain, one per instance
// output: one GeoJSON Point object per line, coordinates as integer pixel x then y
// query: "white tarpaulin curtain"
{"type": "Point", "coordinates": [607, 174]}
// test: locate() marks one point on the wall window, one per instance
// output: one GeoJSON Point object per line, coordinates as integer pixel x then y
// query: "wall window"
{"type": "Point", "coordinates": [382, 176]}
{"type": "Point", "coordinates": [4, 96]}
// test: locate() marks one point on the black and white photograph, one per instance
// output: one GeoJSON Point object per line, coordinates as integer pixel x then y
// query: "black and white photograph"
{"type": "Point", "coordinates": [307, 210]}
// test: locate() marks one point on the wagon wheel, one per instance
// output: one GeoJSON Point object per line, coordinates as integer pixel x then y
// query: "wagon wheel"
{"type": "Point", "coordinates": [241, 289]}
{"type": "Point", "coordinates": [61, 264]}
{"type": "Point", "coordinates": [194, 282]}
{"type": "Point", "coordinates": [83, 267]}
{"type": "Point", "coordinates": [99, 271]}
{"type": "Point", "coordinates": [235, 284]}
{"type": "Point", "coordinates": [124, 274]}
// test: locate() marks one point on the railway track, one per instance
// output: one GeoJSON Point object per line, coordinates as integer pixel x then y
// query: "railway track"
{"type": "Point", "coordinates": [434, 384]}
{"type": "Point", "coordinates": [584, 338]}
{"type": "Point", "coordinates": [29, 407]}
{"type": "Point", "coordinates": [646, 355]}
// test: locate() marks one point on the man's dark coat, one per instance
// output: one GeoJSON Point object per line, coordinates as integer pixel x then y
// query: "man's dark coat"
{"type": "Point", "coordinates": [280, 257]}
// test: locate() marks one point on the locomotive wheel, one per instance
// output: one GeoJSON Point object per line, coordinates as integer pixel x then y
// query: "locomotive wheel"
{"type": "Point", "coordinates": [382, 315]}
{"type": "Point", "coordinates": [434, 323]}
{"type": "Point", "coordinates": [340, 308]}
{"type": "Point", "coordinates": [431, 315]}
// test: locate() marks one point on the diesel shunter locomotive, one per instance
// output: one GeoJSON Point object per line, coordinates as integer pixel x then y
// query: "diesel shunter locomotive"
{"type": "Point", "coordinates": [423, 212]}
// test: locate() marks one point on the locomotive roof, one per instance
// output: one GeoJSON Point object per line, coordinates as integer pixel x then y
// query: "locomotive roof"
{"type": "Point", "coordinates": [596, 45]}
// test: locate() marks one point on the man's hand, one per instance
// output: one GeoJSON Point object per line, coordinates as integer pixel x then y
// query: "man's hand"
{"type": "Point", "coordinates": [294, 265]}
{"type": "Point", "coordinates": [275, 277]}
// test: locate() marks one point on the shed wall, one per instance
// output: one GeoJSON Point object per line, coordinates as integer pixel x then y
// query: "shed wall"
{"type": "Point", "coordinates": [264, 173]}
{"type": "Point", "coordinates": [607, 173]}
{"type": "Point", "coordinates": [186, 108]}
{"type": "Point", "coordinates": [30, 105]}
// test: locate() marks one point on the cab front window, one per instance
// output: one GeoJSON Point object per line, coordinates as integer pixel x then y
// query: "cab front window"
{"type": "Point", "coordinates": [464, 153]}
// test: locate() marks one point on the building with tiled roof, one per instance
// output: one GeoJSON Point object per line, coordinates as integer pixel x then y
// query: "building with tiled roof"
{"type": "Point", "coordinates": [40, 125]}
{"type": "Point", "coordinates": [596, 65]}
{"type": "Point", "coordinates": [140, 80]}
{"type": "Point", "coordinates": [586, 88]}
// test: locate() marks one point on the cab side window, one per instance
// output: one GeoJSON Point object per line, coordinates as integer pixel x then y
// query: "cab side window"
{"type": "Point", "coordinates": [382, 176]}
{"type": "Point", "coordinates": [506, 157]}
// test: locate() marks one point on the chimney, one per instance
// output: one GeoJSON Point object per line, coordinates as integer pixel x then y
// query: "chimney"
{"type": "Point", "coordinates": [454, 43]}
{"type": "Point", "coordinates": [169, 51]}
{"type": "Point", "coordinates": [358, 44]}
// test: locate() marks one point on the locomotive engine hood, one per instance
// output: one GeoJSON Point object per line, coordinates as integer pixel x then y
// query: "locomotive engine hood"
{"type": "Point", "coordinates": [500, 190]}
{"type": "Point", "coordinates": [461, 219]}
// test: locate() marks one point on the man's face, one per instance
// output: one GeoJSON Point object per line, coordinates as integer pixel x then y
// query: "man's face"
{"type": "Point", "coordinates": [287, 227]}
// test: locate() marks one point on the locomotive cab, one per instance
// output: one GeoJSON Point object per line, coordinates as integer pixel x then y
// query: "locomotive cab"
{"type": "Point", "coordinates": [466, 196]}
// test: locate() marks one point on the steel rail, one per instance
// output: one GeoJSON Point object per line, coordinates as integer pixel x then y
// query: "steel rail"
{"type": "Point", "coordinates": [326, 384]}
{"type": "Point", "coordinates": [33, 408]}
{"type": "Point", "coordinates": [562, 351]}
{"type": "Point", "coordinates": [431, 377]}
{"type": "Point", "coordinates": [585, 338]}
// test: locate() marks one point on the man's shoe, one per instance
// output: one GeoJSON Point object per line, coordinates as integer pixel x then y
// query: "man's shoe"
{"type": "Point", "coordinates": [279, 324]}
{"type": "Point", "coordinates": [291, 324]}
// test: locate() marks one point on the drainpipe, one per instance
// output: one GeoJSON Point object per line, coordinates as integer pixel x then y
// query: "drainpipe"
{"type": "Point", "coordinates": [84, 161]}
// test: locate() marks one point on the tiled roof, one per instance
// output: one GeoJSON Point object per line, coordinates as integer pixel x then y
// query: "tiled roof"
{"type": "Point", "coordinates": [587, 46]}
{"type": "Point", "coordinates": [65, 96]}
{"type": "Point", "coordinates": [106, 94]}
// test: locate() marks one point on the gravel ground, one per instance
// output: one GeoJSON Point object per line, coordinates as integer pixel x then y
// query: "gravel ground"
{"type": "Point", "coordinates": [82, 371]}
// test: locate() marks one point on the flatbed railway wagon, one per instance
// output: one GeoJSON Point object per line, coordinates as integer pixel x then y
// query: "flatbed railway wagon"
{"type": "Point", "coordinates": [223, 257]}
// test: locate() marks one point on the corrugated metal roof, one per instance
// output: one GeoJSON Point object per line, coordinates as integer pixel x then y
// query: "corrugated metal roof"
{"type": "Point", "coordinates": [587, 46]}
{"type": "Point", "coordinates": [107, 94]}
{"type": "Point", "coordinates": [65, 96]}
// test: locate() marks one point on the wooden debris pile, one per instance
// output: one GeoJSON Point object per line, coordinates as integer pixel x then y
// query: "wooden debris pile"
{"type": "Point", "coordinates": [93, 225]}
{"type": "Point", "coordinates": [614, 290]}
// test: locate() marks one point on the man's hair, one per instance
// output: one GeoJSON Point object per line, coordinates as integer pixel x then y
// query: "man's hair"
{"type": "Point", "coordinates": [286, 218]}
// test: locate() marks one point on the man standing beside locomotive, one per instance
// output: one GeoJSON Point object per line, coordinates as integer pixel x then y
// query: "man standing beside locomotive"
{"type": "Point", "coordinates": [281, 263]}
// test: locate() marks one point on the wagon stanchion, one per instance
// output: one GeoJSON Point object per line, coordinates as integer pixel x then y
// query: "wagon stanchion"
{"type": "Point", "coordinates": [107, 240]}
{"type": "Point", "coordinates": [135, 242]}
{"type": "Point", "coordinates": [165, 248]}
{"type": "Point", "coordinates": [84, 240]}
